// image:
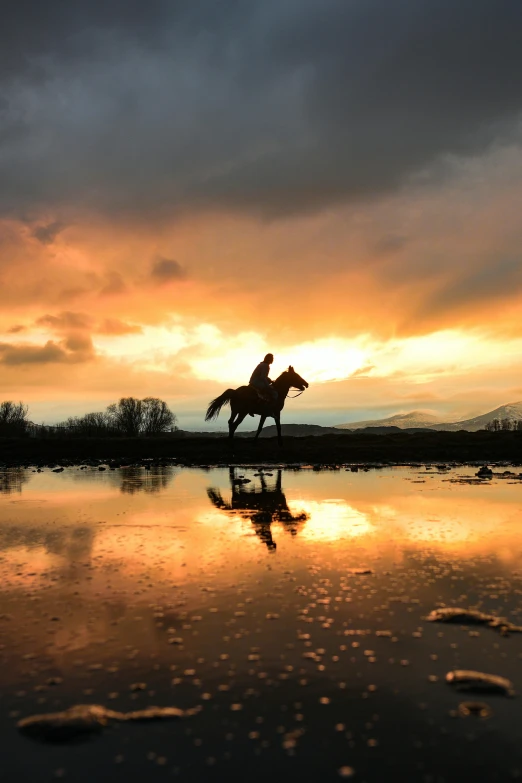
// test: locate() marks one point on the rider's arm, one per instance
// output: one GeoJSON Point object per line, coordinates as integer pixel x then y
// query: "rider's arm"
{"type": "Point", "coordinates": [265, 368]}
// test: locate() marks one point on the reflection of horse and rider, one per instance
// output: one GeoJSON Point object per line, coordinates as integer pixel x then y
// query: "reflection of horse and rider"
{"type": "Point", "coordinates": [261, 504]}
{"type": "Point", "coordinates": [262, 397]}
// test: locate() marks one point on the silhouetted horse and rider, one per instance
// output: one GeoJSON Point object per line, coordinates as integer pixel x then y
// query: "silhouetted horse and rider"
{"type": "Point", "coordinates": [262, 397]}
{"type": "Point", "coordinates": [261, 504]}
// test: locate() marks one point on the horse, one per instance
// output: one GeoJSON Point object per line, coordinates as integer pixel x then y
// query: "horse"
{"type": "Point", "coordinates": [245, 400]}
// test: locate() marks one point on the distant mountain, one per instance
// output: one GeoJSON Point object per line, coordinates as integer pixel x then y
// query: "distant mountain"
{"type": "Point", "coordinates": [414, 419]}
{"type": "Point", "coordinates": [419, 420]}
{"type": "Point", "coordinates": [512, 410]}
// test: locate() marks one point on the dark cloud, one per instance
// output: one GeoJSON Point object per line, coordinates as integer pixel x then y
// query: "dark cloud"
{"type": "Point", "coordinates": [114, 284]}
{"type": "Point", "coordinates": [68, 294]}
{"type": "Point", "coordinates": [65, 321]}
{"type": "Point", "coordinates": [46, 233]}
{"type": "Point", "coordinates": [114, 326]}
{"type": "Point", "coordinates": [17, 329]}
{"type": "Point", "coordinates": [274, 106]}
{"type": "Point", "coordinates": [389, 244]}
{"type": "Point", "coordinates": [495, 281]}
{"type": "Point", "coordinates": [79, 345]}
{"type": "Point", "coordinates": [70, 352]}
{"type": "Point", "coordinates": [166, 269]}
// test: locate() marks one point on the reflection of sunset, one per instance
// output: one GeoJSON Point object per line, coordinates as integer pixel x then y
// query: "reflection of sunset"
{"type": "Point", "coordinates": [81, 540]}
{"type": "Point", "coordinates": [176, 533]}
{"type": "Point", "coordinates": [333, 520]}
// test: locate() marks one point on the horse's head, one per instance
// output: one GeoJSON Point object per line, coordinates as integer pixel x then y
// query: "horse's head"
{"type": "Point", "coordinates": [296, 382]}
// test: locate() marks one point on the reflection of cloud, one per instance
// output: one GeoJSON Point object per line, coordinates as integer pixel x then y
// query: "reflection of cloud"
{"type": "Point", "coordinates": [63, 550]}
{"type": "Point", "coordinates": [438, 523]}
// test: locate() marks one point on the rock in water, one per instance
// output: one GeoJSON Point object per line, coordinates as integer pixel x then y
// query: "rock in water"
{"type": "Point", "coordinates": [451, 614]}
{"type": "Point", "coordinates": [66, 726]}
{"type": "Point", "coordinates": [466, 680]}
{"type": "Point", "coordinates": [156, 713]}
{"type": "Point", "coordinates": [82, 720]}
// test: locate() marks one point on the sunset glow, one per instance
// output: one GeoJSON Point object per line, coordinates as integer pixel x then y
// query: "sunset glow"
{"type": "Point", "coordinates": [163, 249]}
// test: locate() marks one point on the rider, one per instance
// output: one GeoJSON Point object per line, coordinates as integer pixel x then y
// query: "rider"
{"type": "Point", "coordinates": [260, 380]}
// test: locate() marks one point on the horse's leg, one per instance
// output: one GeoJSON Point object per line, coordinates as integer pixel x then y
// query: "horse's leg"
{"type": "Point", "coordinates": [261, 423]}
{"type": "Point", "coordinates": [231, 423]}
{"type": "Point", "coordinates": [277, 418]}
{"type": "Point", "coordinates": [240, 417]}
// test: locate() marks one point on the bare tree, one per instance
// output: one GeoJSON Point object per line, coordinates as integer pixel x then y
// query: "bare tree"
{"type": "Point", "coordinates": [157, 417]}
{"type": "Point", "coordinates": [126, 415]}
{"type": "Point", "coordinates": [13, 418]}
{"type": "Point", "coordinates": [96, 424]}
{"type": "Point", "coordinates": [129, 416]}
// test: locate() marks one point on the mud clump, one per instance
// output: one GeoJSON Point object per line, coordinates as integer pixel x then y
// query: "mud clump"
{"type": "Point", "coordinates": [478, 709]}
{"type": "Point", "coordinates": [83, 720]}
{"type": "Point", "coordinates": [465, 680]}
{"type": "Point", "coordinates": [473, 617]}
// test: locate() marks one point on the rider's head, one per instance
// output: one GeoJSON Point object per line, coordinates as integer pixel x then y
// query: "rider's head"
{"type": "Point", "coordinates": [269, 358]}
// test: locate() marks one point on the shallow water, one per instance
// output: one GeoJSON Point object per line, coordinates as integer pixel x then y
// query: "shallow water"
{"type": "Point", "coordinates": [291, 609]}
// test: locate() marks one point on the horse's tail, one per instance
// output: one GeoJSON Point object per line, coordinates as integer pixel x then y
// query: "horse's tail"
{"type": "Point", "coordinates": [216, 405]}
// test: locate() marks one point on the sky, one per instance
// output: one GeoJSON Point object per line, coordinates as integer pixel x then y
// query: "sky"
{"type": "Point", "coordinates": [186, 185]}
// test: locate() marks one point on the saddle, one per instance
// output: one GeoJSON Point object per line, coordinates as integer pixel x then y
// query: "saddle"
{"type": "Point", "coordinates": [258, 395]}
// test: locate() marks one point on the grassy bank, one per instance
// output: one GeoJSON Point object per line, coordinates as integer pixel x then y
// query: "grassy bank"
{"type": "Point", "coordinates": [397, 447]}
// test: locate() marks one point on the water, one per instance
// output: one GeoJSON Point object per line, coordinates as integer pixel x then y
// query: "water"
{"type": "Point", "coordinates": [291, 609]}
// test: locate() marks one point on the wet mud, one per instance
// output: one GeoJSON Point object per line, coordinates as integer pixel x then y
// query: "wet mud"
{"type": "Point", "coordinates": [87, 719]}
{"type": "Point", "coordinates": [472, 617]}
{"type": "Point", "coordinates": [313, 622]}
{"type": "Point", "coordinates": [479, 682]}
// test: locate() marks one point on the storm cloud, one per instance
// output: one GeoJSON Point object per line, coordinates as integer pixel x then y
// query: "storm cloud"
{"type": "Point", "coordinates": [47, 233]}
{"type": "Point", "coordinates": [272, 107]}
{"type": "Point", "coordinates": [165, 270]}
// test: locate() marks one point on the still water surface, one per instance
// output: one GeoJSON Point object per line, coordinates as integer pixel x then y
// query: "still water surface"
{"type": "Point", "coordinates": [291, 608]}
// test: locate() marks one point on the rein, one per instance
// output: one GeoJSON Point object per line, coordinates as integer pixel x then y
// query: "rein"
{"type": "Point", "coordinates": [288, 397]}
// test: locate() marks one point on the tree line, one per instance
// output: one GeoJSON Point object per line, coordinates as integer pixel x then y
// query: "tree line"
{"type": "Point", "coordinates": [129, 417]}
{"type": "Point", "coordinates": [497, 425]}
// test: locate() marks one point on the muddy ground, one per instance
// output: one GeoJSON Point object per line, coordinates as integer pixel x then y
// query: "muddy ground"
{"type": "Point", "coordinates": [327, 449]}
